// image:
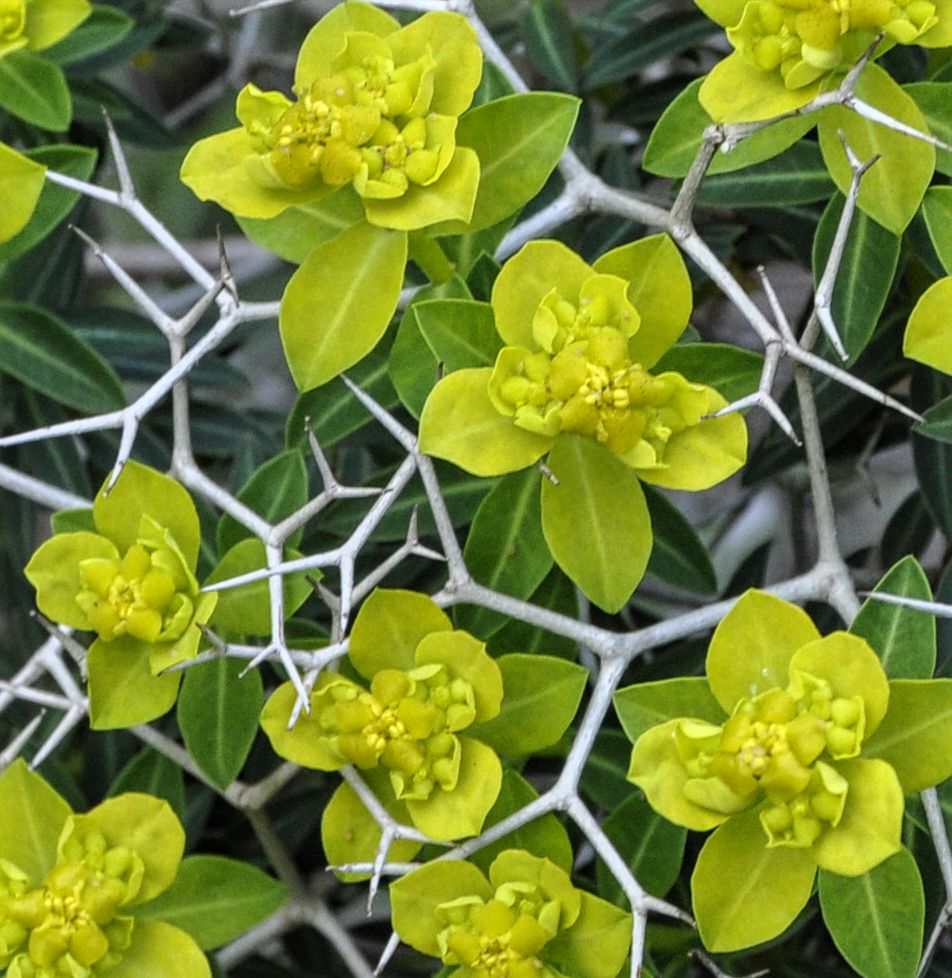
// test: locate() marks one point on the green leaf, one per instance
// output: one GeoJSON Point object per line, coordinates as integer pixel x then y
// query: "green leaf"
{"type": "Point", "coordinates": [505, 549]}
{"type": "Point", "coordinates": [32, 816]}
{"type": "Point", "coordinates": [595, 520]}
{"type": "Point", "coordinates": [766, 888]}
{"type": "Point", "coordinates": [733, 372]}
{"type": "Point", "coordinates": [678, 555]}
{"type": "Point", "coordinates": [544, 837]}
{"type": "Point", "coordinates": [152, 773]}
{"type": "Point", "coordinates": [73, 521]}
{"type": "Point", "coordinates": [646, 705]}
{"type": "Point", "coordinates": [937, 422]}
{"type": "Point", "coordinates": [519, 140]}
{"type": "Point", "coordinates": [104, 27]}
{"type": "Point", "coordinates": [42, 352]}
{"type": "Point", "coordinates": [338, 304]}
{"type": "Point", "coordinates": [915, 734]}
{"type": "Point", "coordinates": [892, 189]}
{"type": "Point", "coordinates": [216, 899]}
{"type": "Point", "coordinates": [937, 210]}
{"type": "Point", "coordinates": [651, 846]}
{"type": "Point", "coordinates": [596, 944]}
{"type": "Point", "coordinates": [546, 29]}
{"type": "Point", "coordinates": [334, 410]}
{"type": "Point", "coordinates": [35, 90]}
{"type": "Point", "coordinates": [904, 639]}
{"type": "Point", "coordinates": [876, 920]}
{"type": "Point", "coordinates": [932, 459]}
{"type": "Point", "coordinates": [461, 333]}
{"type": "Point", "coordinates": [413, 367]}
{"type": "Point", "coordinates": [797, 176]}
{"type": "Point", "coordinates": [858, 297]}
{"type": "Point", "coordinates": [246, 610]}
{"type": "Point", "coordinates": [274, 492]}
{"type": "Point", "coordinates": [603, 780]}
{"type": "Point", "coordinates": [55, 202]}
{"type": "Point", "coordinates": [646, 43]}
{"type": "Point", "coordinates": [541, 695]}
{"type": "Point", "coordinates": [218, 715]}
{"type": "Point", "coordinates": [933, 101]}
{"type": "Point", "coordinates": [676, 139]}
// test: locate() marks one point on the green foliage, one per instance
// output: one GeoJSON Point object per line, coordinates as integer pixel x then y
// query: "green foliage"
{"type": "Point", "coordinates": [505, 363]}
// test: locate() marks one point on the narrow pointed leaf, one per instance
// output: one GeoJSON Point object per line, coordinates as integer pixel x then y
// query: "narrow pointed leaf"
{"type": "Point", "coordinates": [505, 549]}
{"type": "Point", "coordinates": [42, 352]}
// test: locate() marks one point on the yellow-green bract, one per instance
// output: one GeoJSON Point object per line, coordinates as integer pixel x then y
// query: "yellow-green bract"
{"type": "Point", "coordinates": [21, 181]}
{"type": "Point", "coordinates": [796, 749]}
{"type": "Point", "coordinates": [787, 51]}
{"type": "Point", "coordinates": [376, 109]}
{"type": "Point", "coordinates": [132, 581]}
{"type": "Point", "coordinates": [418, 729]}
{"type": "Point", "coordinates": [33, 25]}
{"type": "Point", "coordinates": [71, 885]}
{"type": "Point", "coordinates": [526, 920]}
{"type": "Point", "coordinates": [574, 380]}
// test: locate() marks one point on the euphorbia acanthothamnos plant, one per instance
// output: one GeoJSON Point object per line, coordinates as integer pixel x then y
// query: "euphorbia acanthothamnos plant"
{"type": "Point", "coordinates": [526, 920]}
{"type": "Point", "coordinates": [130, 578]}
{"type": "Point", "coordinates": [374, 157]}
{"type": "Point", "coordinates": [73, 886]}
{"type": "Point", "coordinates": [574, 382]}
{"type": "Point", "coordinates": [796, 749]}
{"type": "Point", "coordinates": [425, 725]}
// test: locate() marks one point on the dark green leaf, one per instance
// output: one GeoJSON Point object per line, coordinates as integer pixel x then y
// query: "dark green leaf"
{"type": "Point", "coordinates": [858, 296]}
{"type": "Point", "coordinates": [505, 549]}
{"type": "Point", "coordinates": [652, 847]}
{"type": "Point", "coordinates": [101, 29]}
{"type": "Point", "coordinates": [937, 422]}
{"type": "Point", "coordinates": [678, 556]}
{"type": "Point", "coordinates": [547, 33]}
{"type": "Point", "coordinates": [933, 459]}
{"type": "Point", "coordinates": [731, 371]}
{"type": "Point", "coordinates": [218, 715]}
{"type": "Point", "coordinates": [904, 639]}
{"type": "Point", "coordinates": [461, 333]}
{"type": "Point", "coordinates": [275, 491]}
{"type": "Point", "coordinates": [35, 90]}
{"type": "Point", "coordinates": [646, 43]}
{"type": "Point", "coordinates": [153, 774]}
{"type": "Point", "coordinates": [42, 352]}
{"type": "Point", "coordinates": [215, 899]}
{"type": "Point", "coordinates": [876, 920]}
{"type": "Point", "coordinates": [797, 176]}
